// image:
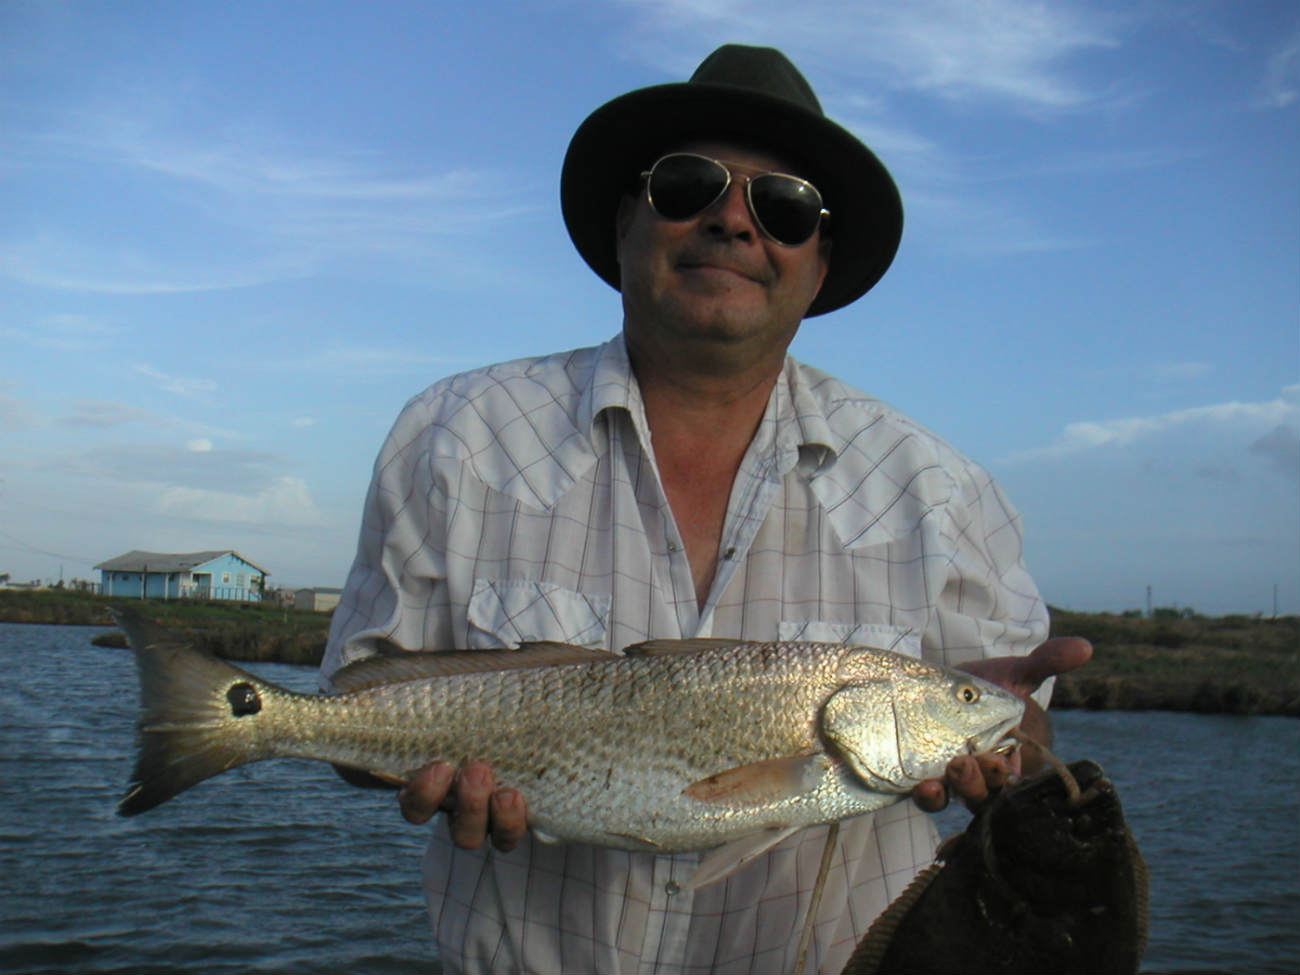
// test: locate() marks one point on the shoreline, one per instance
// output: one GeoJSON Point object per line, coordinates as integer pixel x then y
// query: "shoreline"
{"type": "Point", "coordinates": [1209, 665]}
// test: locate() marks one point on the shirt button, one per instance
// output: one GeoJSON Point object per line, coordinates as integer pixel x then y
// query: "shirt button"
{"type": "Point", "coordinates": [673, 547]}
{"type": "Point", "coordinates": [671, 888]}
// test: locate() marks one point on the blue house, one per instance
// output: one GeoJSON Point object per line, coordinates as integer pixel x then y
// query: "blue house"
{"type": "Point", "coordinates": [187, 575]}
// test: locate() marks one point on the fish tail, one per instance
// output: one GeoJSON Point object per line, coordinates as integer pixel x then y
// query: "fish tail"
{"type": "Point", "coordinates": [198, 716]}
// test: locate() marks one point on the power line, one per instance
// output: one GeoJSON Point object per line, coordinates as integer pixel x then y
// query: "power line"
{"type": "Point", "coordinates": [25, 547]}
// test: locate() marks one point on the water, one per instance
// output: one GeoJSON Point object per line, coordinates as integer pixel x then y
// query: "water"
{"type": "Point", "coordinates": [281, 867]}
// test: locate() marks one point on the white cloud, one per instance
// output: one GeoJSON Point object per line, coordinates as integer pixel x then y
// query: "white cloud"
{"type": "Point", "coordinates": [62, 262]}
{"type": "Point", "coordinates": [199, 446]}
{"type": "Point", "coordinates": [1013, 51]}
{"type": "Point", "coordinates": [258, 209]}
{"type": "Point", "coordinates": [287, 502]}
{"type": "Point", "coordinates": [303, 421]}
{"type": "Point", "coordinates": [239, 471]}
{"type": "Point", "coordinates": [361, 361]}
{"type": "Point", "coordinates": [104, 414]}
{"type": "Point", "coordinates": [1281, 445]}
{"type": "Point", "coordinates": [1252, 419]}
{"type": "Point", "coordinates": [64, 332]}
{"type": "Point", "coordinates": [15, 414]}
{"type": "Point", "coordinates": [1279, 88]}
{"type": "Point", "coordinates": [180, 385]}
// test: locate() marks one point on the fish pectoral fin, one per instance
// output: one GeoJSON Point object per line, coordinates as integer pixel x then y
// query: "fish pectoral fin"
{"type": "Point", "coordinates": [664, 648]}
{"type": "Point", "coordinates": [727, 859]}
{"type": "Point", "coordinates": [758, 783]}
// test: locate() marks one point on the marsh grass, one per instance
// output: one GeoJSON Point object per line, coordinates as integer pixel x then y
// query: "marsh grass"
{"type": "Point", "coordinates": [1174, 662]}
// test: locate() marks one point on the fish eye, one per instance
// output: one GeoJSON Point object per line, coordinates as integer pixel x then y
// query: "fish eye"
{"type": "Point", "coordinates": [968, 693]}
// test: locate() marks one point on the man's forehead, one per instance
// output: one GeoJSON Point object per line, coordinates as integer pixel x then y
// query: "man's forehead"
{"type": "Point", "coordinates": [744, 153]}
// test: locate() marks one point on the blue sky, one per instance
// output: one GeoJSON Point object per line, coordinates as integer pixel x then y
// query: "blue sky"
{"type": "Point", "coordinates": [237, 237]}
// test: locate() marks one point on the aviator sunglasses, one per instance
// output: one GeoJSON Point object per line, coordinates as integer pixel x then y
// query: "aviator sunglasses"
{"type": "Point", "coordinates": [682, 185]}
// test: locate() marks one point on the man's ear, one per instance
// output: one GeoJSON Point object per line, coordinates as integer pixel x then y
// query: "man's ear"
{"type": "Point", "coordinates": [823, 257]}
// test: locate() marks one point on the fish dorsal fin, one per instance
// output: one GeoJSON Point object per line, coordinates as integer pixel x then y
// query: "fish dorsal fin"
{"type": "Point", "coordinates": [763, 782]}
{"type": "Point", "coordinates": [726, 860]}
{"type": "Point", "coordinates": [390, 667]}
{"type": "Point", "coordinates": [699, 644]}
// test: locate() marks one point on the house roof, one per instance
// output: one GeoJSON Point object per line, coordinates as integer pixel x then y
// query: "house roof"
{"type": "Point", "coordinates": [138, 561]}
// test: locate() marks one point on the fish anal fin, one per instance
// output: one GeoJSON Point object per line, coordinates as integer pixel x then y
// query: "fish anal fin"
{"type": "Point", "coordinates": [727, 859]}
{"type": "Point", "coordinates": [647, 845]}
{"type": "Point", "coordinates": [762, 782]}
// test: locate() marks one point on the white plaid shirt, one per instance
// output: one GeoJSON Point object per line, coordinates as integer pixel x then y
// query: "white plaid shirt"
{"type": "Point", "coordinates": [522, 502]}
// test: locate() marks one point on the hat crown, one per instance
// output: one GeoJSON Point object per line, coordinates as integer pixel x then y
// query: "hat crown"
{"type": "Point", "coordinates": [762, 70]}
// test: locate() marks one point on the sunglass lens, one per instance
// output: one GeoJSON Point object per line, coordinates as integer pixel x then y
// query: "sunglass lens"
{"type": "Point", "coordinates": [682, 186]}
{"type": "Point", "coordinates": [788, 208]}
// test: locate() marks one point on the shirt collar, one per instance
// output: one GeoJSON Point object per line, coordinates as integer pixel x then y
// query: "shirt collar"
{"type": "Point", "coordinates": [796, 414]}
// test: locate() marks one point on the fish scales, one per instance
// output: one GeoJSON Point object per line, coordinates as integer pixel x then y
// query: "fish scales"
{"type": "Point", "coordinates": [606, 741]}
{"type": "Point", "coordinates": [680, 745]}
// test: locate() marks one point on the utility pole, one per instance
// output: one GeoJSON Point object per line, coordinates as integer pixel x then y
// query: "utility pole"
{"type": "Point", "coordinates": [1148, 600]}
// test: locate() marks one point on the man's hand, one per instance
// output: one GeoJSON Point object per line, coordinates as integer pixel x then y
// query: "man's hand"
{"type": "Point", "coordinates": [972, 778]}
{"type": "Point", "coordinates": [475, 809]}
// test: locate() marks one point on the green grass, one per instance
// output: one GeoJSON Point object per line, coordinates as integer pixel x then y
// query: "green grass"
{"type": "Point", "coordinates": [1237, 664]}
{"type": "Point", "coordinates": [237, 631]}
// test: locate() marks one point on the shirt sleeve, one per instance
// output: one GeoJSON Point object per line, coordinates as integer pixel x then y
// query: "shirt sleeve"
{"type": "Point", "coordinates": [989, 605]}
{"type": "Point", "coordinates": [396, 587]}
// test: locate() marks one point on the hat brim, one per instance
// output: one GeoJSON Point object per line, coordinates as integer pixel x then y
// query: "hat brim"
{"type": "Point", "coordinates": [624, 136]}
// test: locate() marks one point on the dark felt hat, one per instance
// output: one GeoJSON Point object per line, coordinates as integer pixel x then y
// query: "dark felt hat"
{"type": "Point", "coordinates": [755, 96]}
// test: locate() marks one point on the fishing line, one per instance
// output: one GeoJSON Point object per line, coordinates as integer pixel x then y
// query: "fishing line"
{"type": "Point", "coordinates": [832, 835]}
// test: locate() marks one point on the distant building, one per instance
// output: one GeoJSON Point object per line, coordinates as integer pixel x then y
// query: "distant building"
{"type": "Point", "coordinates": [321, 599]}
{"type": "Point", "coordinates": [187, 575]}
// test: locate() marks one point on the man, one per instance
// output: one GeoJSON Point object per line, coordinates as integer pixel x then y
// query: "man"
{"type": "Point", "coordinates": [688, 479]}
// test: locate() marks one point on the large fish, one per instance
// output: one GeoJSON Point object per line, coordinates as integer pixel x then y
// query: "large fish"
{"type": "Point", "coordinates": [671, 746]}
{"type": "Point", "coordinates": [1045, 879]}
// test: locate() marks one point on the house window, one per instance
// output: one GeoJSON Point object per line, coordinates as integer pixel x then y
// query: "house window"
{"type": "Point", "coordinates": [239, 580]}
{"type": "Point", "coordinates": [225, 578]}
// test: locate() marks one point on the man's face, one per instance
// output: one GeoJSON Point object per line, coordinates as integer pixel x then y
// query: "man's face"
{"type": "Point", "coordinates": [715, 277]}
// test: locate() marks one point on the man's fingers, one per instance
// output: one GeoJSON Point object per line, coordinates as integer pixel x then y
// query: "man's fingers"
{"type": "Point", "coordinates": [508, 817]}
{"type": "Point", "coordinates": [930, 795]}
{"type": "Point", "coordinates": [469, 824]}
{"type": "Point", "coordinates": [425, 792]}
{"type": "Point", "coordinates": [965, 780]}
{"type": "Point", "coordinates": [474, 810]}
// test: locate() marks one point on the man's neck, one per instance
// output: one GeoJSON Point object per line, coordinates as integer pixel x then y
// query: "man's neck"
{"type": "Point", "coordinates": [701, 423]}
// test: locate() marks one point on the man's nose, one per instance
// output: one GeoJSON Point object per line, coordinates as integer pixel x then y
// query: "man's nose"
{"type": "Point", "coordinates": [729, 216]}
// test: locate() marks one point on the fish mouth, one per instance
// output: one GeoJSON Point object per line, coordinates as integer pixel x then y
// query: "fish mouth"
{"type": "Point", "coordinates": [1005, 743]}
{"type": "Point", "coordinates": [1007, 746]}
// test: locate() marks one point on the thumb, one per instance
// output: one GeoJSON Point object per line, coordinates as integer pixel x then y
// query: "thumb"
{"type": "Point", "coordinates": [1056, 656]}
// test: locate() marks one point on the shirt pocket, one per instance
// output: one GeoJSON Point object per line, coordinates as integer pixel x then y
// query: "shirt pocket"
{"type": "Point", "coordinates": [886, 636]}
{"type": "Point", "coordinates": [507, 612]}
